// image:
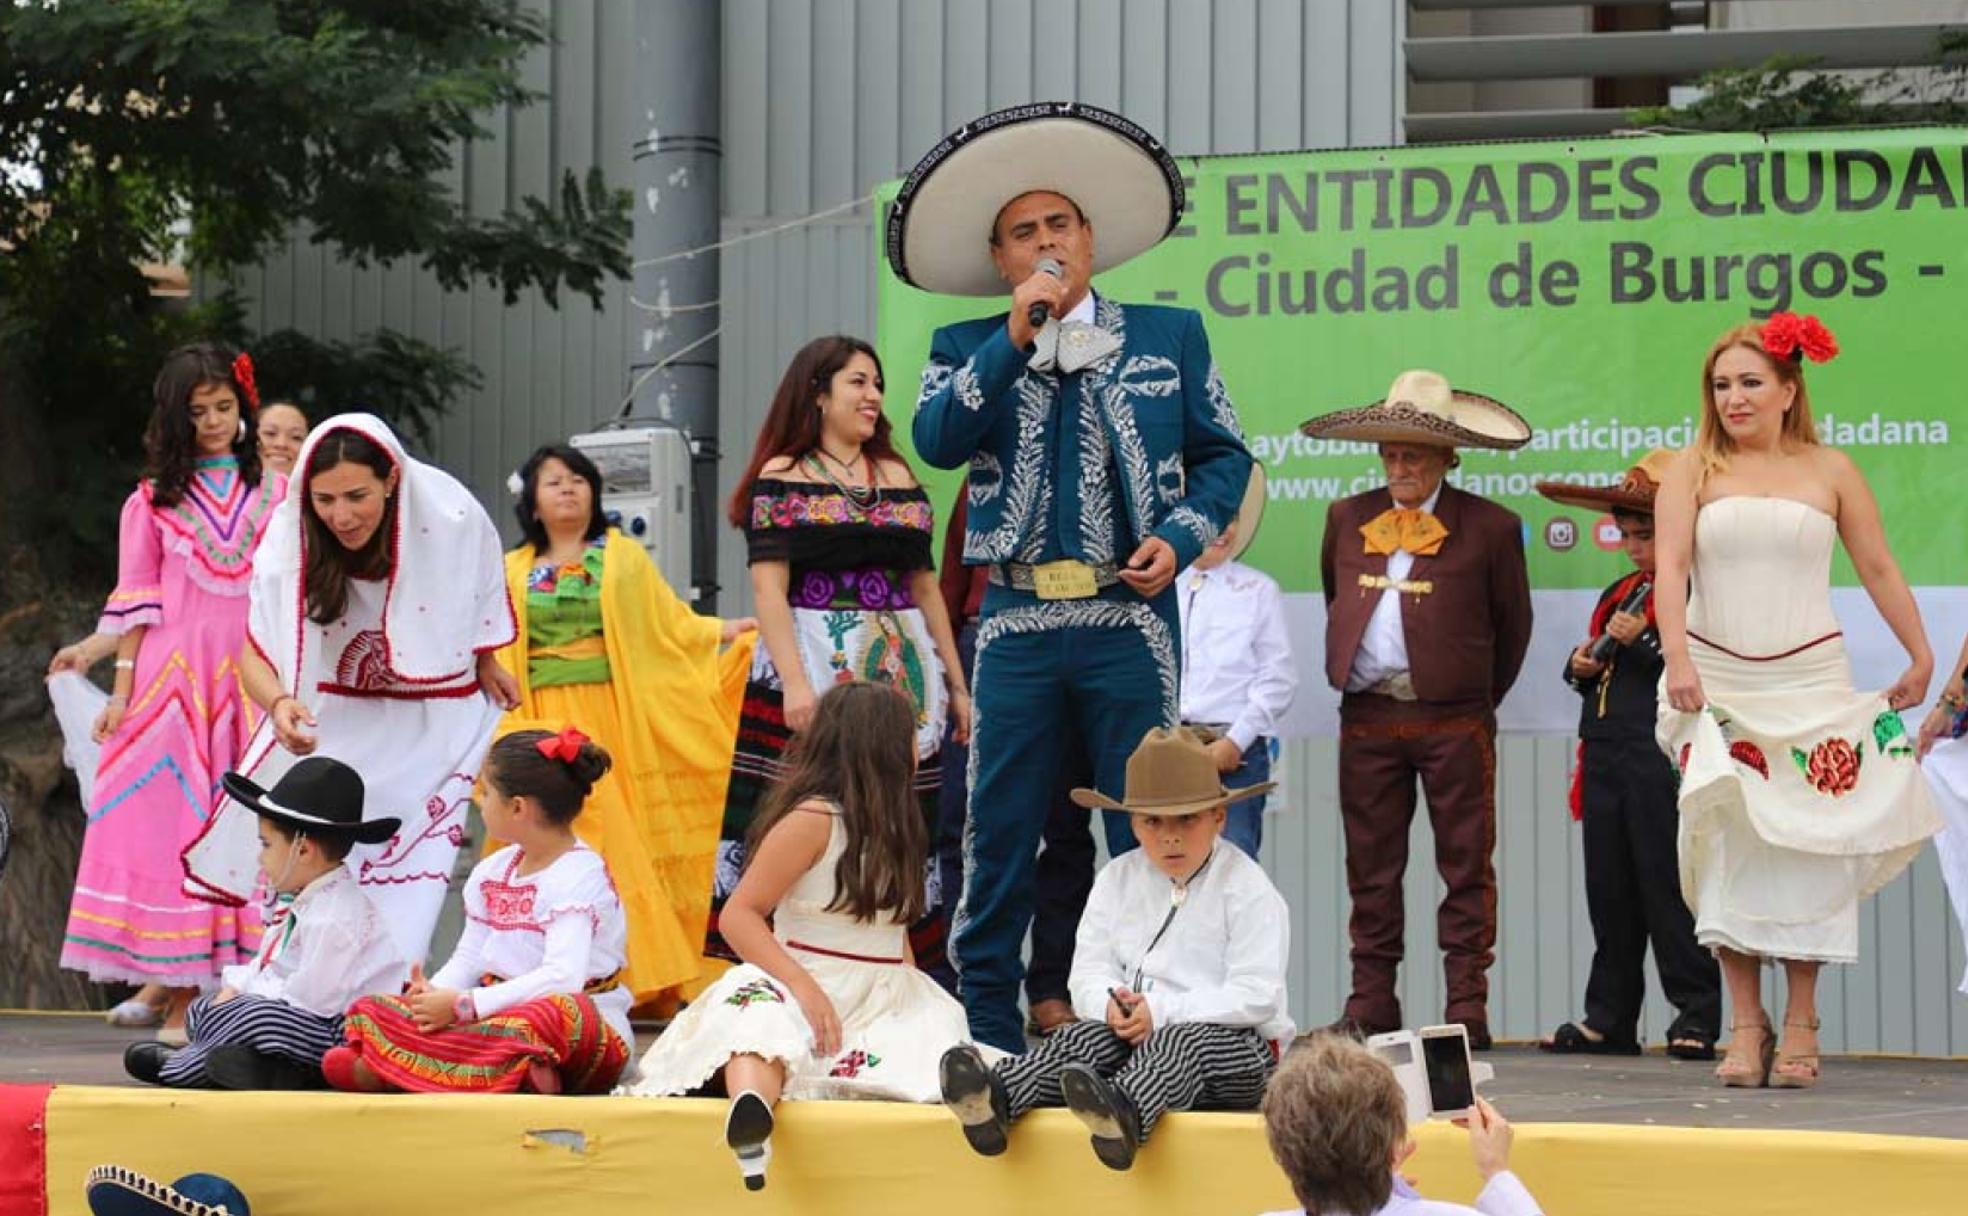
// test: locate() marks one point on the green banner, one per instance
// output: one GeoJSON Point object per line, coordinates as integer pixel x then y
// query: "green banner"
{"type": "Point", "coordinates": [1580, 282]}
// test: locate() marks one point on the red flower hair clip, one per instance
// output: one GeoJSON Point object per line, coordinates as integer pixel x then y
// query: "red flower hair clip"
{"type": "Point", "coordinates": [1790, 336]}
{"type": "Point", "coordinates": [242, 375]}
{"type": "Point", "coordinates": [564, 747]}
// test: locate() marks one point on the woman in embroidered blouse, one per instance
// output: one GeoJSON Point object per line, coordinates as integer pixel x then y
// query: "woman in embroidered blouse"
{"type": "Point", "coordinates": [839, 534]}
{"type": "Point", "coordinates": [378, 601]}
{"type": "Point", "coordinates": [177, 719]}
{"type": "Point", "coordinates": [605, 645]}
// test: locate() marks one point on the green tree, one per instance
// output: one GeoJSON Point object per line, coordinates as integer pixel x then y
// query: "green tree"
{"type": "Point", "coordinates": [203, 132]}
{"type": "Point", "coordinates": [1788, 92]}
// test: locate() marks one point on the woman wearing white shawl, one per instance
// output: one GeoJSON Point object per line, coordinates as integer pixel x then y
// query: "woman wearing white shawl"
{"type": "Point", "coordinates": [374, 617]}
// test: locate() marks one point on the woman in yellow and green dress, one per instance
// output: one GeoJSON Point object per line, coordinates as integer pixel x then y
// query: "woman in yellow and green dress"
{"type": "Point", "coordinates": [605, 645]}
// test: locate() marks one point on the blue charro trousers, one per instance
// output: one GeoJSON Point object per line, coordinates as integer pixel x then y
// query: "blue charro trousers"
{"type": "Point", "coordinates": [1104, 670]}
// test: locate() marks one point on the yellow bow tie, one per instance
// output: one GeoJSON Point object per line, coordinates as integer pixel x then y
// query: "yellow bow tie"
{"type": "Point", "coordinates": [1415, 530]}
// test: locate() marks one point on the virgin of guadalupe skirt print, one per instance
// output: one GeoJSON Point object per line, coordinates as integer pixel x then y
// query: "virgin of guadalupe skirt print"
{"type": "Point", "coordinates": [492, 1055]}
{"type": "Point", "coordinates": [1799, 797]}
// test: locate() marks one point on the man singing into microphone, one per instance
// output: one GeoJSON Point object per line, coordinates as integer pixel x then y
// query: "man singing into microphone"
{"type": "Point", "coordinates": [1103, 455]}
{"type": "Point", "coordinates": [1624, 789]}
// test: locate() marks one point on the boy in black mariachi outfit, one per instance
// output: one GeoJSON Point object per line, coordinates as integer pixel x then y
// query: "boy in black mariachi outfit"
{"type": "Point", "coordinates": [1624, 790]}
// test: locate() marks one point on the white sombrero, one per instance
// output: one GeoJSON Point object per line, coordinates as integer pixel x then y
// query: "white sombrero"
{"type": "Point", "coordinates": [1126, 183]}
{"type": "Point", "coordinates": [1421, 407]}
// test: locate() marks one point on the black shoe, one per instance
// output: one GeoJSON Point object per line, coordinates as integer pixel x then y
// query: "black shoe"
{"type": "Point", "coordinates": [1571, 1040]}
{"type": "Point", "coordinates": [237, 1066]}
{"type": "Point", "coordinates": [748, 1132]}
{"type": "Point", "coordinates": [1106, 1112]}
{"type": "Point", "coordinates": [1479, 1033]}
{"type": "Point", "coordinates": [976, 1096]}
{"type": "Point", "coordinates": [145, 1060]}
{"type": "Point", "coordinates": [1353, 1028]}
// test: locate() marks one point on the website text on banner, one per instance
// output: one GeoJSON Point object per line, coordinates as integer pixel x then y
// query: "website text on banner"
{"type": "Point", "coordinates": [1580, 282]}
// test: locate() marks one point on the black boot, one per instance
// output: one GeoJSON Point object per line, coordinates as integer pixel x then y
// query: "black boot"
{"type": "Point", "coordinates": [976, 1096]}
{"type": "Point", "coordinates": [1107, 1113]}
{"type": "Point", "coordinates": [237, 1066]}
{"type": "Point", "coordinates": [145, 1061]}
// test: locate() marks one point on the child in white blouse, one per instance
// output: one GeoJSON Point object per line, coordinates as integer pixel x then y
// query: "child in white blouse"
{"type": "Point", "coordinates": [324, 945]}
{"type": "Point", "coordinates": [1183, 948]}
{"type": "Point", "coordinates": [532, 997]}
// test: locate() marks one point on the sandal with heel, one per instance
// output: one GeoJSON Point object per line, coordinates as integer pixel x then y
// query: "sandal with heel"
{"type": "Point", "coordinates": [1737, 1073]}
{"type": "Point", "coordinates": [1797, 1070]}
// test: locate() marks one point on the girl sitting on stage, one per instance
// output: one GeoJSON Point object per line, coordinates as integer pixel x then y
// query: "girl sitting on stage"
{"type": "Point", "coordinates": [532, 997]}
{"type": "Point", "coordinates": [828, 1002]}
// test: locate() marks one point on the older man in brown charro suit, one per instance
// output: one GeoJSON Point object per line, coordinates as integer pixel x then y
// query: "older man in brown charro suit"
{"type": "Point", "coordinates": [1428, 613]}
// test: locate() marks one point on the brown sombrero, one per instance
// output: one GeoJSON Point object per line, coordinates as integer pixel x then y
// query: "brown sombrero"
{"type": "Point", "coordinates": [1171, 773]}
{"type": "Point", "coordinates": [1421, 407]}
{"type": "Point", "coordinates": [1634, 492]}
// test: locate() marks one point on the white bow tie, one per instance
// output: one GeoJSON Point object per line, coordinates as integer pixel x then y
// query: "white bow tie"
{"type": "Point", "coordinates": [1071, 346]}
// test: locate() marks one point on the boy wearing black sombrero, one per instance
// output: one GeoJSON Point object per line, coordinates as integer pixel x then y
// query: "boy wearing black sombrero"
{"type": "Point", "coordinates": [324, 945]}
{"type": "Point", "coordinates": [1178, 973]}
{"type": "Point", "coordinates": [1103, 454]}
{"type": "Point", "coordinates": [1624, 789]}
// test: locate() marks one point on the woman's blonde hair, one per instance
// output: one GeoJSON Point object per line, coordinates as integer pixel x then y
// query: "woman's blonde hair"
{"type": "Point", "coordinates": [1334, 1115]}
{"type": "Point", "coordinates": [1712, 442]}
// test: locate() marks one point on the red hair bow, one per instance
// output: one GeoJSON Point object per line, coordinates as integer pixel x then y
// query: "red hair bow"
{"type": "Point", "coordinates": [242, 375]}
{"type": "Point", "coordinates": [564, 747]}
{"type": "Point", "coordinates": [1789, 336]}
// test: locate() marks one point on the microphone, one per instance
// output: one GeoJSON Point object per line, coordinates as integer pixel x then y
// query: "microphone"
{"type": "Point", "coordinates": [1604, 643]}
{"type": "Point", "coordinates": [1037, 313]}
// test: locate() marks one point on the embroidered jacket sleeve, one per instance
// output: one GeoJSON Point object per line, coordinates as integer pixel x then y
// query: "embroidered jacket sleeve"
{"type": "Point", "coordinates": [1216, 465]}
{"type": "Point", "coordinates": [1275, 680]}
{"type": "Point", "coordinates": [962, 398]}
{"type": "Point", "coordinates": [1097, 964]}
{"type": "Point", "coordinates": [139, 595]}
{"type": "Point", "coordinates": [1510, 607]}
{"type": "Point", "coordinates": [1253, 962]}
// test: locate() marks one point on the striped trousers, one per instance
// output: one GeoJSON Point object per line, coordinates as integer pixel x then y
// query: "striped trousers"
{"type": "Point", "coordinates": [1187, 1066]}
{"type": "Point", "coordinates": [259, 1022]}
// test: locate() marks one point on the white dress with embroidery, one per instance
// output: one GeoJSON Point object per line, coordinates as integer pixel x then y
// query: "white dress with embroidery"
{"type": "Point", "coordinates": [560, 930]}
{"type": "Point", "coordinates": [896, 1022]}
{"type": "Point", "coordinates": [418, 747]}
{"type": "Point", "coordinates": [1799, 795]}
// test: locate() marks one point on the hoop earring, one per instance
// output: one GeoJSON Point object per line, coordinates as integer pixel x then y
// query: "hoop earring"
{"type": "Point", "coordinates": [242, 428]}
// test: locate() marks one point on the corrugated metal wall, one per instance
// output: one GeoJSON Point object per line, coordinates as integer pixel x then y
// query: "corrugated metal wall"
{"type": "Point", "coordinates": [825, 98]}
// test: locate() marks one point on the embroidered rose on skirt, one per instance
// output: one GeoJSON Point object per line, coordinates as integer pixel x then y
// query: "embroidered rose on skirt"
{"type": "Point", "coordinates": [756, 992]}
{"type": "Point", "coordinates": [1742, 751]}
{"type": "Point", "coordinates": [1832, 767]}
{"type": "Point", "coordinates": [851, 1064]}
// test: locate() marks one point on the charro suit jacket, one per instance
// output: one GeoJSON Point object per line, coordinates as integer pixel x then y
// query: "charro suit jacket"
{"type": "Point", "coordinates": [1466, 634]}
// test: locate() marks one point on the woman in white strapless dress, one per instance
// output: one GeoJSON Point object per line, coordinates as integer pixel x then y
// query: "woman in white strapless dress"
{"type": "Point", "coordinates": [1799, 795]}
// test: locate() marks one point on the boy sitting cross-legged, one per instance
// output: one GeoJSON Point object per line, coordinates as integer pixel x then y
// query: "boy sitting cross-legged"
{"type": "Point", "coordinates": [1182, 948]}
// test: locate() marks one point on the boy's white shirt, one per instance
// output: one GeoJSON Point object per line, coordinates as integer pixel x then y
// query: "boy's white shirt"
{"type": "Point", "coordinates": [1222, 959]}
{"type": "Point", "coordinates": [329, 948]}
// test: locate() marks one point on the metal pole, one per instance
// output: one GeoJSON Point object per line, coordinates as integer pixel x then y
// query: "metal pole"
{"type": "Point", "coordinates": [677, 171]}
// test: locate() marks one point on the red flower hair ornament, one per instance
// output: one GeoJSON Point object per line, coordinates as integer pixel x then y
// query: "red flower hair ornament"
{"type": "Point", "coordinates": [564, 747]}
{"type": "Point", "coordinates": [1787, 335]}
{"type": "Point", "coordinates": [242, 375]}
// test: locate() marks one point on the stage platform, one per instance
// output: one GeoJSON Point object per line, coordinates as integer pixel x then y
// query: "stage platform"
{"type": "Point", "coordinates": [1595, 1137]}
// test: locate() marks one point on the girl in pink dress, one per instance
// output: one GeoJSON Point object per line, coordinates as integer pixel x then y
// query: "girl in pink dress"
{"type": "Point", "coordinates": [177, 719]}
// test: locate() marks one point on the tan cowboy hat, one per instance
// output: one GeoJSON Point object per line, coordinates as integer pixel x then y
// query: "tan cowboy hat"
{"type": "Point", "coordinates": [1171, 773]}
{"type": "Point", "coordinates": [1633, 492]}
{"type": "Point", "coordinates": [1121, 178]}
{"type": "Point", "coordinates": [1250, 512]}
{"type": "Point", "coordinates": [1421, 407]}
